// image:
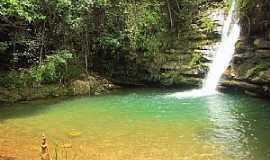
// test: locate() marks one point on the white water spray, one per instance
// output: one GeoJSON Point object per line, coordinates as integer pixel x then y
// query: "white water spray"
{"type": "Point", "coordinates": [221, 60]}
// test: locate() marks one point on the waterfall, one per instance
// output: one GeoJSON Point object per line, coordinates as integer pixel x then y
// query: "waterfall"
{"type": "Point", "coordinates": [221, 58]}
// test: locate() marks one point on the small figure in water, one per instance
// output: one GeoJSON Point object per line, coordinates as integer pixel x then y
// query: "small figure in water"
{"type": "Point", "coordinates": [44, 155]}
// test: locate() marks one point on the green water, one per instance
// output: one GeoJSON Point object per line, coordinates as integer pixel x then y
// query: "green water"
{"type": "Point", "coordinates": [141, 124]}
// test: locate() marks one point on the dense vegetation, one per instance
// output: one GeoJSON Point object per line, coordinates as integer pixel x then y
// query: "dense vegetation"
{"type": "Point", "coordinates": [48, 41]}
{"type": "Point", "coordinates": [254, 16]}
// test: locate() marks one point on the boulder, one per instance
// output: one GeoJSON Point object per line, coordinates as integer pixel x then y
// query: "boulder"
{"type": "Point", "coordinates": [229, 73]}
{"type": "Point", "coordinates": [241, 46]}
{"type": "Point", "coordinates": [80, 87]}
{"type": "Point", "coordinates": [262, 44]}
{"type": "Point", "coordinates": [243, 70]}
{"type": "Point", "coordinates": [266, 88]}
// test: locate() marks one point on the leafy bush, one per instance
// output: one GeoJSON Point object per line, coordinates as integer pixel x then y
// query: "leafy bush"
{"type": "Point", "coordinates": [207, 24]}
{"type": "Point", "coordinates": [246, 6]}
{"type": "Point", "coordinates": [196, 60]}
{"type": "Point", "coordinates": [112, 41]}
{"type": "Point", "coordinates": [25, 9]}
{"type": "Point", "coordinates": [54, 68]}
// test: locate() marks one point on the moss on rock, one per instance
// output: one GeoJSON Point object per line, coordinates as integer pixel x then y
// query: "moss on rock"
{"type": "Point", "coordinates": [92, 85]}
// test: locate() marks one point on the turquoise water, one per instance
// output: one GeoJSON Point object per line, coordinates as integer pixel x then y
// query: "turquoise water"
{"type": "Point", "coordinates": [140, 124]}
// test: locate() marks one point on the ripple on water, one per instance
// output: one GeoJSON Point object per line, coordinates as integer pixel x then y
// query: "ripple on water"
{"type": "Point", "coordinates": [139, 125]}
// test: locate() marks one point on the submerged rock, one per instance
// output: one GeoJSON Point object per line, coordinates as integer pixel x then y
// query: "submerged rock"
{"type": "Point", "coordinates": [74, 133]}
{"type": "Point", "coordinates": [66, 145]}
{"type": "Point", "coordinates": [242, 46]}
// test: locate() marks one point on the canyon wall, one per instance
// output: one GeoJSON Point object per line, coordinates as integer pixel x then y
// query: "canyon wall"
{"type": "Point", "coordinates": [250, 69]}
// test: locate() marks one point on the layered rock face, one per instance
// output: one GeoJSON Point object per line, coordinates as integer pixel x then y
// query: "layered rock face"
{"type": "Point", "coordinates": [250, 70]}
{"type": "Point", "coordinates": [251, 62]}
{"type": "Point", "coordinates": [188, 62]}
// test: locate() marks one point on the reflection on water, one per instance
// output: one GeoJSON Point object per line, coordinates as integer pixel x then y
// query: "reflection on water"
{"type": "Point", "coordinates": [140, 124]}
{"type": "Point", "coordinates": [236, 122]}
{"type": "Point", "coordinates": [227, 127]}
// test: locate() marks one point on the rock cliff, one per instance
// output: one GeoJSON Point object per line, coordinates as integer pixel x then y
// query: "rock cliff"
{"type": "Point", "coordinates": [250, 69]}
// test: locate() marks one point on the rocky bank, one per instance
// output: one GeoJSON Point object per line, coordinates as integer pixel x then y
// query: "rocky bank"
{"type": "Point", "coordinates": [250, 69]}
{"type": "Point", "coordinates": [83, 85]}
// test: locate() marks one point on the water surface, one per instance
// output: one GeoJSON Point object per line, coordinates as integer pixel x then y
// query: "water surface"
{"type": "Point", "coordinates": [143, 124]}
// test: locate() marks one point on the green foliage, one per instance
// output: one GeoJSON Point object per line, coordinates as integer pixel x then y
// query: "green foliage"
{"type": "Point", "coordinates": [53, 69]}
{"type": "Point", "coordinates": [255, 71]}
{"type": "Point", "coordinates": [105, 34]}
{"type": "Point", "coordinates": [3, 47]}
{"type": "Point", "coordinates": [207, 24]}
{"type": "Point", "coordinates": [246, 6]}
{"type": "Point", "coordinates": [169, 79]}
{"type": "Point", "coordinates": [196, 60]}
{"type": "Point", "coordinates": [175, 78]}
{"type": "Point", "coordinates": [145, 27]}
{"type": "Point", "coordinates": [113, 41]}
{"type": "Point", "coordinates": [22, 8]}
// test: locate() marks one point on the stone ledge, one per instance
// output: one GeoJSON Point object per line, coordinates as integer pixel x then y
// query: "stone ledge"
{"type": "Point", "coordinates": [262, 44]}
{"type": "Point", "coordinates": [245, 87]}
{"type": "Point", "coordinates": [262, 53]}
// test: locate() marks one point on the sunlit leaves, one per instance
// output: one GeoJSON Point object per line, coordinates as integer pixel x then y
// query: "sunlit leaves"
{"type": "Point", "coordinates": [143, 29]}
{"type": "Point", "coordinates": [53, 68]}
{"type": "Point", "coordinates": [23, 8]}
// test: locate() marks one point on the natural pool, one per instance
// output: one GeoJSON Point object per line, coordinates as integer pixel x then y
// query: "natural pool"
{"type": "Point", "coordinates": [139, 124]}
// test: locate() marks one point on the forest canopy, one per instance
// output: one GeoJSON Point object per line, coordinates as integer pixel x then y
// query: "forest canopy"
{"type": "Point", "coordinates": [45, 39]}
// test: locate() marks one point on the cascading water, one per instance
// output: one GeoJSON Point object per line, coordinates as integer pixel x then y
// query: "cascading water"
{"type": "Point", "coordinates": [222, 57]}
{"type": "Point", "coordinates": [221, 61]}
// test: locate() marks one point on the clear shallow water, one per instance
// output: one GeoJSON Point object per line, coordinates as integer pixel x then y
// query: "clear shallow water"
{"type": "Point", "coordinates": [140, 124]}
